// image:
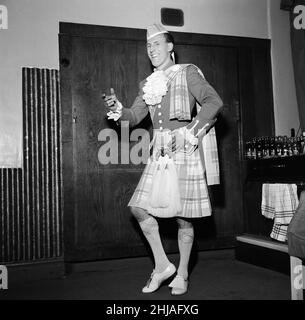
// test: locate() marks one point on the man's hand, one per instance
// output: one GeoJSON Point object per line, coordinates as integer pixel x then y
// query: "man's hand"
{"type": "Point", "coordinates": [111, 101]}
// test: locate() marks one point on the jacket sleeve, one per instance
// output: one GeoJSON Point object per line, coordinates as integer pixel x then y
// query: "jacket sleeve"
{"type": "Point", "coordinates": [206, 96]}
{"type": "Point", "coordinates": [137, 112]}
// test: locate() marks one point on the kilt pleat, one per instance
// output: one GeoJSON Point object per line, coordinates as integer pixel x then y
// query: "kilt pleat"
{"type": "Point", "coordinates": [195, 201]}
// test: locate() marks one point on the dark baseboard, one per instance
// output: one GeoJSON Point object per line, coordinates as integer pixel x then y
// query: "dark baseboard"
{"type": "Point", "coordinates": [19, 273]}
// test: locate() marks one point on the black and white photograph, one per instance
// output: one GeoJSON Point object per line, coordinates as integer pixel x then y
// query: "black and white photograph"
{"type": "Point", "coordinates": [152, 153]}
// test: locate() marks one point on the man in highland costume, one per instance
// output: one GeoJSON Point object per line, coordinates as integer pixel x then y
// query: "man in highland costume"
{"type": "Point", "coordinates": [174, 182]}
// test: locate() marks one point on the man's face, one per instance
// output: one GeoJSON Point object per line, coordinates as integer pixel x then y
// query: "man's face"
{"type": "Point", "coordinates": [158, 51]}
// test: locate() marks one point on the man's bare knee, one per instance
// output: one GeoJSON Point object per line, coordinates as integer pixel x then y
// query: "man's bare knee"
{"type": "Point", "coordinates": [184, 224]}
{"type": "Point", "coordinates": [139, 213]}
{"type": "Point", "coordinates": [186, 235]}
{"type": "Point", "coordinates": [185, 230]}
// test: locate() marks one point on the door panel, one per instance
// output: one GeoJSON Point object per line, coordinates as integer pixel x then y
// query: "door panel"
{"type": "Point", "coordinates": [102, 219]}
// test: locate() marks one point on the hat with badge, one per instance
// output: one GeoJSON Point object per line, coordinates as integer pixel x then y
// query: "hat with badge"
{"type": "Point", "coordinates": [154, 30]}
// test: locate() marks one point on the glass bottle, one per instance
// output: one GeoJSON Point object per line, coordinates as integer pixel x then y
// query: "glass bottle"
{"type": "Point", "coordinates": [259, 148]}
{"type": "Point", "coordinates": [285, 151]}
{"type": "Point", "coordinates": [303, 142]}
{"type": "Point", "coordinates": [248, 150]}
{"type": "Point", "coordinates": [267, 147]}
{"type": "Point", "coordinates": [272, 148]}
{"type": "Point", "coordinates": [254, 146]}
{"type": "Point", "coordinates": [279, 142]}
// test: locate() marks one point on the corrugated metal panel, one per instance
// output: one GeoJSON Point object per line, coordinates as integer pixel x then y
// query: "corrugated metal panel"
{"type": "Point", "coordinates": [31, 215]}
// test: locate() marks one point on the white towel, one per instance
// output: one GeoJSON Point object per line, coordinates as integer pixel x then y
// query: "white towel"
{"type": "Point", "coordinates": [279, 202]}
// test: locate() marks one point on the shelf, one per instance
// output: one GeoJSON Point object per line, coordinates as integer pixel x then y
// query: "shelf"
{"type": "Point", "coordinates": [276, 170]}
{"type": "Point", "coordinates": [263, 242]}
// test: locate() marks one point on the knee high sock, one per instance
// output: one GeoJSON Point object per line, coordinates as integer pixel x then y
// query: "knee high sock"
{"type": "Point", "coordinates": [185, 243]}
{"type": "Point", "coordinates": [150, 229]}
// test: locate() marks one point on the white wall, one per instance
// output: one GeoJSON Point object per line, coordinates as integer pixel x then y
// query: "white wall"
{"type": "Point", "coordinates": [32, 40]}
{"type": "Point", "coordinates": [285, 103]}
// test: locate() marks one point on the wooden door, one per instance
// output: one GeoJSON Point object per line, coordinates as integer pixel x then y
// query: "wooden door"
{"type": "Point", "coordinates": [97, 223]}
{"type": "Point", "coordinates": [220, 67]}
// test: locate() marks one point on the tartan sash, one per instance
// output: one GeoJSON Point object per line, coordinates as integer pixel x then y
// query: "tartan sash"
{"type": "Point", "coordinates": [179, 94]}
{"type": "Point", "coordinates": [210, 157]}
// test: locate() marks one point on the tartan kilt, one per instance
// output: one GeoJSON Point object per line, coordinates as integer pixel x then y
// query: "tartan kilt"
{"type": "Point", "coordinates": [195, 201]}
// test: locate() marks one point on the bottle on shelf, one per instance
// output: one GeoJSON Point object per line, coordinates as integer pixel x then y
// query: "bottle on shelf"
{"type": "Point", "coordinates": [249, 150]}
{"type": "Point", "coordinates": [275, 146]}
{"type": "Point", "coordinates": [266, 147]}
{"type": "Point", "coordinates": [259, 148]}
{"type": "Point", "coordinates": [303, 143]}
{"type": "Point", "coordinates": [254, 147]}
{"type": "Point", "coordinates": [285, 148]}
{"type": "Point", "coordinates": [278, 146]}
{"type": "Point", "coordinates": [272, 147]}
